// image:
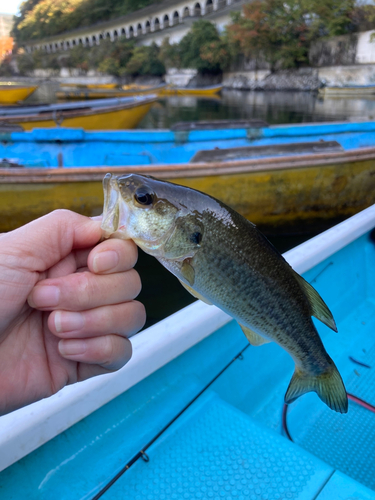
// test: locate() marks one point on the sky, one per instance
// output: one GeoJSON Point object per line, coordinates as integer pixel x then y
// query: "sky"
{"type": "Point", "coordinates": [9, 6]}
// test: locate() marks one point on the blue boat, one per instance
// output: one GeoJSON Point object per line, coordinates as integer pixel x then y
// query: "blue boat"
{"type": "Point", "coordinates": [75, 147]}
{"type": "Point", "coordinates": [197, 413]}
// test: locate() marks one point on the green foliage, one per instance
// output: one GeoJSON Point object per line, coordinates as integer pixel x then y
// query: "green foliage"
{"type": "Point", "coordinates": [331, 17]}
{"type": "Point", "coordinates": [197, 42]}
{"type": "Point", "coordinates": [216, 55]}
{"type": "Point", "coordinates": [145, 61]}
{"type": "Point", "coordinates": [25, 63]}
{"type": "Point", "coordinates": [170, 54]}
{"type": "Point", "coordinates": [110, 66]}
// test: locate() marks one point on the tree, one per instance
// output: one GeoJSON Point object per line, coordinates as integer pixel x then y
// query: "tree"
{"type": "Point", "coordinates": [331, 17]}
{"type": "Point", "coordinates": [145, 61]}
{"type": "Point", "coordinates": [198, 41]}
{"type": "Point", "coordinates": [170, 54]}
{"type": "Point", "coordinates": [276, 30]}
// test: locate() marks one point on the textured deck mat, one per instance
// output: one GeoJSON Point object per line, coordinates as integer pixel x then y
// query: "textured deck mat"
{"type": "Point", "coordinates": [216, 452]}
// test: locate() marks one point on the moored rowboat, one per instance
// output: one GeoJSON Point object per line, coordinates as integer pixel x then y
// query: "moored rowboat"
{"type": "Point", "coordinates": [277, 194]}
{"type": "Point", "coordinates": [348, 91]}
{"type": "Point", "coordinates": [90, 85]}
{"type": "Point", "coordinates": [122, 113]}
{"type": "Point", "coordinates": [11, 93]}
{"type": "Point", "coordinates": [197, 91]}
{"type": "Point", "coordinates": [91, 93]}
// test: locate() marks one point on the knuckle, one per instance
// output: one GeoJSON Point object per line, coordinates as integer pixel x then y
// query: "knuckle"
{"type": "Point", "coordinates": [85, 287]}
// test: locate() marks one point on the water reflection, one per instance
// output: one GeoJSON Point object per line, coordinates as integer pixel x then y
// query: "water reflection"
{"type": "Point", "coordinates": [273, 107]}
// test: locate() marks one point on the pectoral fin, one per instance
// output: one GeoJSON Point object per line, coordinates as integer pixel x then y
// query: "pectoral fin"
{"type": "Point", "coordinates": [319, 308]}
{"type": "Point", "coordinates": [187, 271]}
{"type": "Point", "coordinates": [194, 293]}
{"type": "Point", "coordinates": [254, 338]}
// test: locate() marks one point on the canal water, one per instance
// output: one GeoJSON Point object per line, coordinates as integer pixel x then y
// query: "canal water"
{"type": "Point", "coordinates": [162, 294]}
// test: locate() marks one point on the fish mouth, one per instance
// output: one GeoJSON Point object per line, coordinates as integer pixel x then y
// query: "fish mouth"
{"type": "Point", "coordinates": [115, 211]}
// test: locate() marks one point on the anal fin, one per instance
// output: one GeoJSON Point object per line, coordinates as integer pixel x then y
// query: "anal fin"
{"type": "Point", "coordinates": [194, 293]}
{"type": "Point", "coordinates": [254, 338]}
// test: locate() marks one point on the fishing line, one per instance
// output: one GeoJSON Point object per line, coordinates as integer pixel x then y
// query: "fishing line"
{"type": "Point", "coordinates": [355, 399]}
{"type": "Point", "coordinates": [142, 454]}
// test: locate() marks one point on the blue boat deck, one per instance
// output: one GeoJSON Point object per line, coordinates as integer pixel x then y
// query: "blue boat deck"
{"type": "Point", "coordinates": [209, 422]}
{"type": "Point", "coordinates": [68, 147]}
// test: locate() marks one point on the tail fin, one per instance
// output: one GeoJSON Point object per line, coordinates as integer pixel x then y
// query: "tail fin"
{"type": "Point", "coordinates": [328, 386]}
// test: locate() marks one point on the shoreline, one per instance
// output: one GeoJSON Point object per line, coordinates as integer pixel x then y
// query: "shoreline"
{"type": "Point", "coordinates": [305, 79]}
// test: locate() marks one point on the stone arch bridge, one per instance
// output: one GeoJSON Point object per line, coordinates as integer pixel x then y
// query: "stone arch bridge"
{"type": "Point", "coordinates": [152, 24]}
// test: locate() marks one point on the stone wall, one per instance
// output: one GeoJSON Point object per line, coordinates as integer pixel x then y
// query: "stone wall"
{"type": "Point", "coordinates": [344, 50]}
{"type": "Point", "coordinates": [339, 50]}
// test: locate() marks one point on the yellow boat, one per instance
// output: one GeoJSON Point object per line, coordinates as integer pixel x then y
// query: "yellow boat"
{"type": "Point", "coordinates": [11, 93]}
{"type": "Point", "coordinates": [348, 91]}
{"type": "Point", "coordinates": [199, 91]}
{"type": "Point", "coordinates": [90, 85]}
{"type": "Point", "coordinates": [278, 193]}
{"type": "Point", "coordinates": [83, 94]}
{"type": "Point", "coordinates": [118, 114]}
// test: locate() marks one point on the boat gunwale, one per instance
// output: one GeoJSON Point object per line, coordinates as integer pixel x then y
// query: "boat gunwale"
{"type": "Point", "coordinates": [88, 94]}
{"type": "Point", "coordinates": [30, 427]}
{"type": "Point", "coordinates": [159, 136]}
{"type": "Point", "coordinates": [173, 171]}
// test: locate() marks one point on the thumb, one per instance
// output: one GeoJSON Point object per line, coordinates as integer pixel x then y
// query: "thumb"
{"type": "Point", "coordinates": [42, 243]}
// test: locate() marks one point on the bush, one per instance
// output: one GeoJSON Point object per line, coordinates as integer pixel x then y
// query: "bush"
{"type": "Point", "coordinates": [25, 63]}
{"type": "Point", "coordinates": [110, 66]}
{"type": "Point", "coordinates": [145, 61]}
{"type": "Point", "coordinates": [198, 41]}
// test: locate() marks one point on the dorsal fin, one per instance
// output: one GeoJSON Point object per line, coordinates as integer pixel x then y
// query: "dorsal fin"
{"type": "Point", "coordinates": [254, 338]}
{"type": "Point", "coordinates": [319, 308]}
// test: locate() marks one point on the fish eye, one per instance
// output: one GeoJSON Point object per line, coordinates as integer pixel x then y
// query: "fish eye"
{"type": "Point", "coordinates": [143, 196]}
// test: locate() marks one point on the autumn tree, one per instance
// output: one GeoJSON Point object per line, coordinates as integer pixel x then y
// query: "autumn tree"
{"type": "Point", "coordinates": [276, 30]}
{"type": "Point", "coordinates": [281, 31]}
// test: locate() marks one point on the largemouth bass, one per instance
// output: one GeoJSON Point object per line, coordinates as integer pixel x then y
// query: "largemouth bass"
{"type": "Point", "coordinates": [223, 259]}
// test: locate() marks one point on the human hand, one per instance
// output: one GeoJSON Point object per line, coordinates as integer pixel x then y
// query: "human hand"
{"type": "Point", "coordinates": [66, 306]}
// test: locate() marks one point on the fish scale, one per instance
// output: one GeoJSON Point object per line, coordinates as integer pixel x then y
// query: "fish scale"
{"type": "Point", "coordinates": [222, 258]}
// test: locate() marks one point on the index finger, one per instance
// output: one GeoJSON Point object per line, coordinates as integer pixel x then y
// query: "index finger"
{"type": "Point", "coordinates": [113, 256]}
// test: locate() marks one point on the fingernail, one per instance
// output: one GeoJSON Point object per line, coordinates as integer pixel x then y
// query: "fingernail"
{"type": "Point", "coordinates": [72, 347]}
{"type": "Point", "coordinates": [105, 261]}
{"type": "Point", "coordinates": [44, 296]}
{"type": "Point", "coordinates": [68, 321]}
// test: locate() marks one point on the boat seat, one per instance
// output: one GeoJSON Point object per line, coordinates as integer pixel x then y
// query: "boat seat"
{"type": "Point", "coordinates": [218, 124]}
{"type": "Point", "coordinates": [247, 152]}
{"type": "Point", "coordinates": [215, 451]}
